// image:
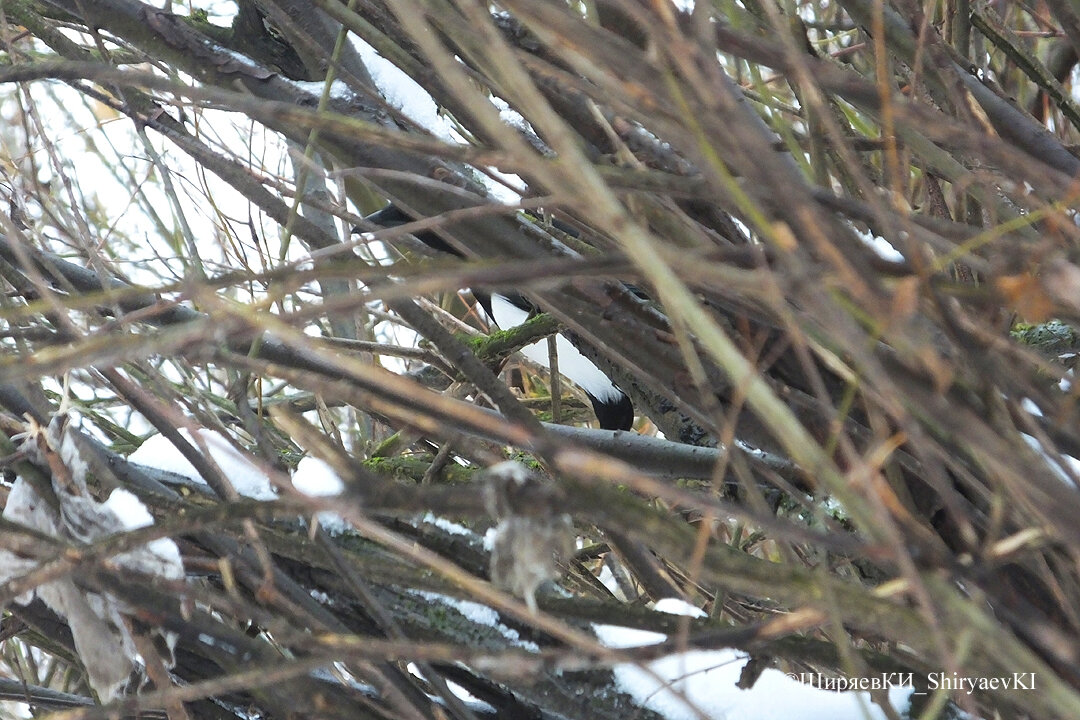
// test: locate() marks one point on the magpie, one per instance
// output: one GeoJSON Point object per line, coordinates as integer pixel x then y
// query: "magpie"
{"type": "Point", "coordinates": [611, 405]}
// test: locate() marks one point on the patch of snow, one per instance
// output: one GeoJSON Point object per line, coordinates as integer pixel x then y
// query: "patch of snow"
{"type": "Point", "coordinates": [248, 480]}
{"type": "Point", "coordinates": [1073, 463]}
{"type": "Point", "coordinates": [132, 514]}
{"type": "Point", "coordinates": [333, 524]}
{"type": "Point", "coordinates": [878, 244]}
{"type": "Point", "coordinates": [678, 606]}
{"type": "Point", "coordinates": [404, 93]}
{"type": "Point", "coordinates": [479, 614]}
{"type": "Point", "coordinates": [497, 187]}
{"type": "Point", "coordinates": [615, 636]}
{"type": "Point", "coordinates": [447, 526]}
{"type": "Point", "coordinates": [129, 509]}
{"type": "Point", "coordinates": [708, 681]}
{"type": "Point", "coordinates": [415, 103]}
{"type": "Point", "coordinates": [1053, 464]}
{"type": "Point", "coordinates": [238, 57]}
{"type": "Point", "coordinates": [467, 697]}
{"type": "Point", "coordinates": [510, 116]}
{"type": "Point", "coordinates": [1030, 407]}
{"type": "Point", "coordinates": [339, 90]}
{"type": "Point", "coordinates": [315, 478]}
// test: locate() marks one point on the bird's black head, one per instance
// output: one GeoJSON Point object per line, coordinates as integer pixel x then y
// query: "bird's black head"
{"type": "Point", "coordinates": [393, 216]}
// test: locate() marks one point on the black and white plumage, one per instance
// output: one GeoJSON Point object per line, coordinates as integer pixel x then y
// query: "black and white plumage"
{"type": "Point", "coordinates": [613, 408]}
